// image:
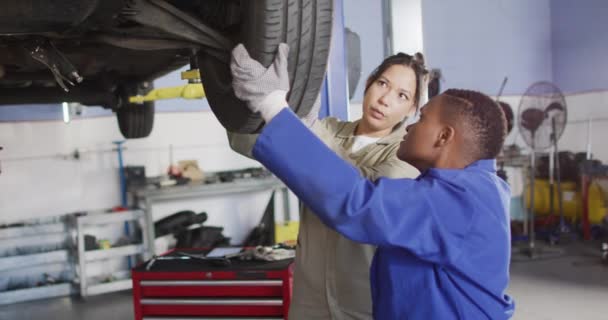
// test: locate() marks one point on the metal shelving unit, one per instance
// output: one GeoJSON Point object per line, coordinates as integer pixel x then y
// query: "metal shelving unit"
{"type": "Point", "coordinates": [145, 198]}
{"type": "Point", "coordinates": [35, 293]}
{"type": "Point", "coordinates": [121, 251]}
{"type": "Point", "coordinates": [88, 287]}
{"type": "Point", "coordinates": [31, 252]}
{"type": "Point", "coordinates": [27, 260]}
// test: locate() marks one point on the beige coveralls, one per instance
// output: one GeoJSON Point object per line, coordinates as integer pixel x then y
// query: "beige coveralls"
{"type": "Point", "coordinates": [331, 276]}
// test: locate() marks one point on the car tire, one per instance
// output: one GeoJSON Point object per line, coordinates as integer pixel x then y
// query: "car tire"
{"type": "Point", "coordinates": [136, 120]}
{"type": "Point", "coordinates": [305, 25]}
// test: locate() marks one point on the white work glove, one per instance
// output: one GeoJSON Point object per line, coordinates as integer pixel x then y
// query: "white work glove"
{"type": "Point", "coordinates": [263, 89]}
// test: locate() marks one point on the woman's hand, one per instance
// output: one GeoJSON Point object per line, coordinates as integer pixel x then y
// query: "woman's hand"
{"type": "Point", "coordinates": [263, 89]}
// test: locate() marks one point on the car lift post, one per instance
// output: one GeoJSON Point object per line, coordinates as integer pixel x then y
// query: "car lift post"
{"type": "Point", "coordinates": [123, 190]}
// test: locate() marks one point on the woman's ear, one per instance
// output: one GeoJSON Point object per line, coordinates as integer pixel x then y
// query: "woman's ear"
{"type": "Point", "coordinates": [445, 136]}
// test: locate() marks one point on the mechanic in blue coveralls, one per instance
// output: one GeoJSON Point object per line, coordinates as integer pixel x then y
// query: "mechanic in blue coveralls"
{"type": "Point", "coordinates": [443, 238]}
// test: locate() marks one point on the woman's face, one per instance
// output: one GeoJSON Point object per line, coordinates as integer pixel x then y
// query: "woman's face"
{"type": "Point", "coordinates": [388, 100]}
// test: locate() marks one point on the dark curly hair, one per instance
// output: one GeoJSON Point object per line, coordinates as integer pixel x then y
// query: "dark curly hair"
{"type": "Point", "coordinates": [484, 120]}
{"type": "Point", "coordinates": [416, 62]}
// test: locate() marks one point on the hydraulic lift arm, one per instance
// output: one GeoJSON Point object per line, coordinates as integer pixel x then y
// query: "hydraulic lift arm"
{"type": "Point", "coordinates": [192, 90]}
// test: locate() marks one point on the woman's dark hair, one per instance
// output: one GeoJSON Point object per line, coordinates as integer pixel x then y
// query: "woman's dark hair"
{"type": "Point", "coordinates": [416, 62]}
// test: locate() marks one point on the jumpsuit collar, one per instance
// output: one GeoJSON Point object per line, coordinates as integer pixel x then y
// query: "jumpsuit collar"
{"type": "Point", "coordinates": [488, 165]}
{"type": "Point", "coordinates": [483, 164]}
{"type": "Point", "coordinates": [348, 131]}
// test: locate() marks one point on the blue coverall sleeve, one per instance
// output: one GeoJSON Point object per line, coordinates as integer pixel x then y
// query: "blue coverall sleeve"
{"type": "Point", "coordinates": [415, 215]}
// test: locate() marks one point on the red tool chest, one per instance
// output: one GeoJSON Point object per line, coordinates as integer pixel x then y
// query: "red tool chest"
{"type": "Point", "coordinates": [199, 289]}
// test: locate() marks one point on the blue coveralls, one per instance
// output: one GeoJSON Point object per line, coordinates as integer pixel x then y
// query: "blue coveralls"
{"type": "Point", "coordinates": [443, 239]}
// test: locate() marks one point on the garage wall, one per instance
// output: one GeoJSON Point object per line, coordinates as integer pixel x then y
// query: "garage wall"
{"type": "Point", "coordinates": [39, 178]}
{"type": "Point", "coordinates": [365, 18]}
{"type": "Point", "coordinates": [582, 107]}
{"type": "Point", "coordinates": [580, 45]}
{"type": "Point", "coordinates": [476, 43]}
{"type": "Point", "coordinates": [525, 40]}
{"type": "Point", "coordinates": [406, 16]}
{"type": "Point", "coordinates": [580, 69]}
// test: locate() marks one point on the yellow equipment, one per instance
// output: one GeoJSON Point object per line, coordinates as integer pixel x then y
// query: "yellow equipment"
{"type": "Point", "coordinates": [597, 206]}
{"type": "Point", "coordinates": [571, 197]}
{"type": "Point", "coordinates": [286, 232]}
{"type": "Point", "coordinates": [192, 90]}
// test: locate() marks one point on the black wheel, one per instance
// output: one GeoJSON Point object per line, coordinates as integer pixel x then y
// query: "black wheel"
{"type": "Point", "coordinates": [135, 120]}
{"type": "Point", "coordinates": [303, 24]}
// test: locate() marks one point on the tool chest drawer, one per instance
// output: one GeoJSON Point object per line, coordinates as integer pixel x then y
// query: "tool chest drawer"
{"type": "Point", "coordinates": [196, 289]}
{"type": "Point", "coordinates": [213, 288]}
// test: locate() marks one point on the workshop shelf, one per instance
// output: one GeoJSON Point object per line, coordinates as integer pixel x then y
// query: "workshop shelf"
{"type": "Point", "coordinates": [112, 253]}
{"type": "Point", "coordinates": [35, 260]}
{"type": "Point", "coordinates": [44, 292]}
{"type": "Point", "coordinates": [28, 260]}
{"type": "Point", "coordinates": [32, 230]}
{"type": "Point", "coordinates": [145, 198]}
{"type": "Point", "coordinates": [85, 224]}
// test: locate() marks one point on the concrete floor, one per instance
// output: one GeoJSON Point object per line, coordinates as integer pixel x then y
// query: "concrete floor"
{"type": "Point", "coordinates": [573, 285]}
{"type": "Point", "coordinates": [112, 306]}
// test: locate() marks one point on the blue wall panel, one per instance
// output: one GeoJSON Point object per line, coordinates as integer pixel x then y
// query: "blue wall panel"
{"type": "Point", "coordinates": [476, 43]}
{"type": "Point", "coordinates": [334, 98]}
{"type": "Point", "coordinates": [580, 44]}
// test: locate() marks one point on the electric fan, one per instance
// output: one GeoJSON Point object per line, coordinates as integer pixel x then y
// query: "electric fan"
{"type": "Point", "coordinates": [541, 122]}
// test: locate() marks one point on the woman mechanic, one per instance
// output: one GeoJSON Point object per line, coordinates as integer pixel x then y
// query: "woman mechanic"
{"type": "Point", "coordinates": [331, 276]}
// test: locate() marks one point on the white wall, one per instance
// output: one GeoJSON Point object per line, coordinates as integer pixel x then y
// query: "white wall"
{"type": "Point", "coordinates": [581, 107]}
{"type": "Point", "coordinates": [39, 179]}
{"type": "Point", "coordinates": [406, 16]}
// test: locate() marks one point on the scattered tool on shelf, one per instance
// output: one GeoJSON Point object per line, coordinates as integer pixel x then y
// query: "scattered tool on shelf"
{"type": "Point", "coordinates": [219, 261]}
{"type": "Point", "coordinates": [277, 252]}
{"type": "Point", "coordinates": [152, 261]}
{"type": "Point", "coordinates": [178, 222]}
{"type": "Point", "coordinates": [224, 256]}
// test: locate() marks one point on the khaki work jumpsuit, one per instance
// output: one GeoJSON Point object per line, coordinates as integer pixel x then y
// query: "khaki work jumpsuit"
{"type": "Point", "coordinates": [331, 276]}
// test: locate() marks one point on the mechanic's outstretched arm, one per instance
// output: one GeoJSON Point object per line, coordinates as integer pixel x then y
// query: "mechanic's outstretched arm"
{"type": "Point", "coordinates": [397, 213]}
{"type": "Point", "coordinates": [243, 143]}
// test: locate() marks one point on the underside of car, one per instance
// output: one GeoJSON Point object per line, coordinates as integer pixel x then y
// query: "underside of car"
{"type": "Point", "coordinates": [100, 52]}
